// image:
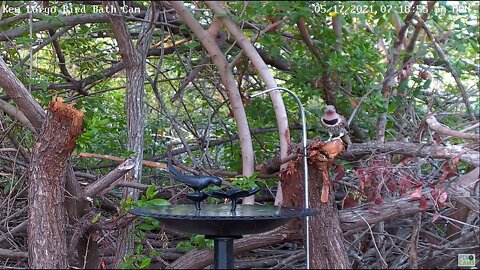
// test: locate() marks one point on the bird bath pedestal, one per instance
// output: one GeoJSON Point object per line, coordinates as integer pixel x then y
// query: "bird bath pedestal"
{"type": "Point", "coordinates": [220, 223]}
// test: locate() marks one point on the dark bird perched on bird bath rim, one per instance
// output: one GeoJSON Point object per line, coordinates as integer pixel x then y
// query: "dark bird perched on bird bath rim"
{"type": "Point", "coordinates": [335, 124]}
{"type": "Point", "coordinates": [197, 198]}
{"type": "Point", "coordinates": [197, 182]}
{"type": "Point", "coordinates": [233, 194]}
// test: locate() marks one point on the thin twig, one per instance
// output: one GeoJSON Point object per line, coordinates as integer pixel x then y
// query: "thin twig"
{"type": "Point", "coordinates": [450, 67]}
{"type": "Point", "coordinates": [373, 237]}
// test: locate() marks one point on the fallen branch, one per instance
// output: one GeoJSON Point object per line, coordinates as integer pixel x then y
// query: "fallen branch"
{"type": "Point", "coordinates": [103, 184]}
{"type": "Point", "coordinates": [119, 159]}
{"type": "Point", "coordinates": [356, 151]}
{"type": "Point", "coordinates": [6, 253]}
{"type": "Point", "coordinates": [19, 228]}
{"type": "Point", "coordinates": [202, 258]}
{"type": "Point", "coordinates": [413, 149]}
{"type": "Point", "coordinates": [437, 126]}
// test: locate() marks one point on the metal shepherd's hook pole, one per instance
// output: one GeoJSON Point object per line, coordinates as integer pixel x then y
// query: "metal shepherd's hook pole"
{"type": "Point", "coordinates": [305, 165]}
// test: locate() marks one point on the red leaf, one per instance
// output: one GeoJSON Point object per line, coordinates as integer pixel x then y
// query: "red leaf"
{"type": "Point", "coordinates": [371, 195]}
{"type": "Point", "coordinates": [436, 138]}
{"type": "Point", "coordinates": [368, 179]}
{"type": "Point", "coordinates": [360, 173]}
{"type": "Point", "coordinates": [435, 216]}
{"type": "Point", "coordinates": [405, 183]}
{"type": "Point", "coordinates": [443, 197]}
{"type": "Point", "coordinates": [102, 265]}
{"type": "Point", "coordinates": [340, 170]}
{"type": "Point", "coordinates": [349, 201]}
{"type": "Point", "coordinates": [455, 162]}
{"type": "Point", "coordinates": [392, 186]}
{"type": "Point", "coordinates": [434, 193]}
{"type": "Point", "coordinates": [405, 160]}
{"type": "Point", "coordinates": [379, 201]}
{"type": "Point", "coordinates": [449, 169]}
{"type": "Point", "coordinates": [423, 203]}
{"type": "Point", "coordinates": [417, 194]}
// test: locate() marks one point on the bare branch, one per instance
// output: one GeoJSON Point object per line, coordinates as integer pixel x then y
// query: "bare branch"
{"type": "Point", "coordinates": [6, 253]}
{"type": "Point", "coordinates": [306, 38]}
{"type": "Point", "coordinates": [437, 126]}
{"type": "Point", "coordinates": [220, 61]}
{"type": "Point", "coordinates": [414, 149]}
{"type": "Point", "coordinates": [450, 67]}
{"type": "Point", "coordinates": [252, 54]}
{"type": "Point", "coordinates": [20, 95]}
{"type": "Point", "coordinates": [389, 81]}
{"type": "Point", "coordinates": [102, 184]}
{"type": "Point", "coordinates": [16, 114]}
{"type": "Point", "coordinates": [59, 22]}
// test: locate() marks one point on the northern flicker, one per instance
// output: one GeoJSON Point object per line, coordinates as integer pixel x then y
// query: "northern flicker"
{"type": "Point", "coordinates": [335, 124]}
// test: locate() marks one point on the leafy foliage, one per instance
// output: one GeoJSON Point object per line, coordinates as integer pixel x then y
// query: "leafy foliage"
{"type": "Point", "coordinates": [196, 117]}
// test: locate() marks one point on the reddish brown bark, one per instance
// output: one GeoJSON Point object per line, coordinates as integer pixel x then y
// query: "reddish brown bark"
{"type": "Point", "coordinates": [327, 248]}
{"type": "Point", "coordinates": [47, 218]}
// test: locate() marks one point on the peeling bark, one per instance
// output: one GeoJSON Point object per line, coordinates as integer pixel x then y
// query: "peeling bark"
{"type": "Point", "coordinates": [327, 246]}
{"type": "Point", "coordinates": [46, 213]}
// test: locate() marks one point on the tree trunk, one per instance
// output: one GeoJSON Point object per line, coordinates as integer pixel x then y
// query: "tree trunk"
{"type": "Point", "coordinates": [264, 72]}
{"type": "Point", "coordinates": [226, 75]}
{"type": "Point", "coordinates": [47, 246]}
{"type": "Point", "coordinates": [327, 248]}
{"type": "Point", "coordinates": [76, 206]}
{"type": "Point", "coordinates": [134, 57]}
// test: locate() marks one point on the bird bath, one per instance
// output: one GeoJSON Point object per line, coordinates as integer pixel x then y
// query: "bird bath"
{"type": "Point", "coordinates": [224, 223]}
{"type": "Point", "coordinates": [220, 223]}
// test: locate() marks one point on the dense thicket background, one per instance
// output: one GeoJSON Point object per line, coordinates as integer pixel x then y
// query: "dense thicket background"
{"type": "Point", "coordinates": [408, 72]}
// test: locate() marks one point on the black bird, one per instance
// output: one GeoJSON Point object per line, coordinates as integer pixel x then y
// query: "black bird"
{"type": "Point", "coordinates": [197, 182]}
{"type": "Point", "coordinates": [233, 194]}
{"type": "Point", "coordinates": [197, 198]}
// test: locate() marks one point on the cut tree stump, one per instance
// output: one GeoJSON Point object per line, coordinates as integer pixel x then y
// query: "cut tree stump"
{"type": "Point", "coordinates": [47, 219]}
{"type": "Point", "coordinates": [327, 248]}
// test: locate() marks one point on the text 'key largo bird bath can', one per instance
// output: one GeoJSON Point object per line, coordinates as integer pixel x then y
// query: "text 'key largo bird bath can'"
{"type": "Point", "coordinates": [224, 223]}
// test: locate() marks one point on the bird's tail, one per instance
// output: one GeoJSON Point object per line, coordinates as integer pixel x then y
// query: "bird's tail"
{"type": "Point", "coordinates": [172, 169]}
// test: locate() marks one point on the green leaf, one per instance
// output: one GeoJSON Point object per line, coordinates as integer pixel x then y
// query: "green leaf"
{"type": "Point", "coordinates": [139, 249]}
{"type": "Point", "coordinates": [147, 227]}
{"type": "Point", "coordinates": [391, 107]}
{"type": "Point", "coordinates": [51, 19]}
{"type": "Point", "coordinates": [185, 246]}
{"type": "Point", "coordinates": [145, 263]}
{"type": "Point", "coordinates": [158, 202]}
{"type": "Point", "coordinates": [403, 85]}
{"type": "Point", "coordinates": [427, 84]}
{"type": "Point", "coordinates": [96, 218]}
{"type": "Point", "coordinates": [151, 192]}
{"type": "Point", "coordinates": [6, 189]}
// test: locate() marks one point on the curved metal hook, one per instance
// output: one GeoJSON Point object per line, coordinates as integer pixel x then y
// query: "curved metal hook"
{"type": "Point", "coordinates": [305, 164]}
